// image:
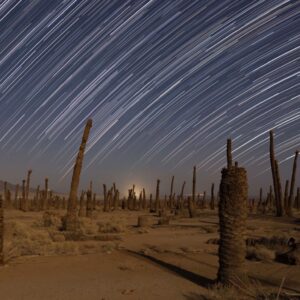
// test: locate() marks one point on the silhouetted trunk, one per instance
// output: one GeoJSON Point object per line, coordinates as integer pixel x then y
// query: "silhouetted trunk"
{"type": "Point", "coordinates": [276, 180]}
{"type": "Point", "coordinates": [293, 178]}
{"type": "Point", "coordinates": [286, 196]}
{"type": "Point", "coordinates": [81, 212]}
{"type": "Point", "coordinates": [157, 196]}
{"type": "Point", "coordinates": [212, 197]}
{"type": "Point", "coordinates": [1, 232]}
{"type": "Point", "coordinates": [194, 185]}
{"type": "Point", "coordinates": [17, 206]}
{"type": "Point", "coordinates": [24, 203]}
{"type": "Point", "coordinates": [28, 185]}
{"type": "Point", "coordinates": [89, 204]}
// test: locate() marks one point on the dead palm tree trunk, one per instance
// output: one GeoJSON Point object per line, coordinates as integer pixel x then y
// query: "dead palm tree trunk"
{"type": "Point", "coordinates": [291, 196]}
{"type": "Point", "coordinates": [286, 195]}
{"type": "Point", "coordinates": [279, 203]}
{"type": "Point", "coordinates": [271, 198]}
{"type": "Point", "coordinates": [194, 186]}
{"type": "Point", "coordinates": [171, 190]}
{"type": "Point", "coordinates": [91, 187]}
{"type": "Point", "coordinates": [24, 204]}
{"type": "Point", "coordinates": [260, 202]}
{"type": "Point", "coordinates": [89, 204]}
{"type": "Point", "coordinates": [94, 201]}
{"type": "Point", "coordinates": [28, 185]}
{"type": "Point", "coordinates": [191, 207]}
{"type": "Point", "coordinates": [297, 200]}
{"type": "Point", "coordinates": [150, 203]}
{"type": "Point", "coordinates": [180, 200]}
{"type": "Point", "coordinates": [4, 193]}
{"type": "Point", "coordinates": [17, 197]}
{"type": "Point", "coordinates": [232, 217]}
{"type": "Point", "coordinates": [212, 197]}
{"type": "Point", "coordinates": [37, 194]}
{"type": "Point", "coordinates": [204, 200]}
{"type": "Point", "coordinates": [46, 200]}
{"type": "Point", "coordinates": [71, 217]}
{"type": "Point", "coordinates": [81, 212]}
{"type": "Point", "coordinates": [144, 200]}
{"type": "Point", "coordinates": [105, 204]}
{"type": "Point", "coordinates": [157, 196]}
{"type": "Point", "coordinates": [276, 180]}
{"type": "Point", "coordinates": [229, 154]}
{"type": "Point", "coordinates": [1, 232]}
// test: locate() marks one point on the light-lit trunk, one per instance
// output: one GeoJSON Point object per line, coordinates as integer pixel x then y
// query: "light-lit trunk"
{"type": "Point", "coordinates": [293, 178]}
{"type": "Point", "coordinates": [232, 220]}
{"type": "Point", "coordinates": [1, 232]}
{"type": "Point", "coordinates": [71, 217]}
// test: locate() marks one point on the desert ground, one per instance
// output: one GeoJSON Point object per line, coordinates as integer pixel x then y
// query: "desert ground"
{"type": "Point", "coordinates": [113, 258]}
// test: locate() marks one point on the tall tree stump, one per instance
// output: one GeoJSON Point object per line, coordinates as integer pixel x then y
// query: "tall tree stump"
{"type": "Point", "coordinates": [1, 232]}
{"type": "Point", "coordinates": [232, 218]}
{"type": "Point", "coordinates": [71, 220]}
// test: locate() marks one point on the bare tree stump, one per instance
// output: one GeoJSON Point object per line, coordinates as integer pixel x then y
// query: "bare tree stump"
{"type": "Point", "coordinates": [143, 221]}
{"type": "Point", "coordinates": [232, 215]}
{"type": "Point", "coordinates": [1, 232]}
{"type": "Point", "coordinates": [70, 220]}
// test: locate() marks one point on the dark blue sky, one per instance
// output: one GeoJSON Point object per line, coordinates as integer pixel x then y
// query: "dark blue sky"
{"type": "Point", "coordinates": [166, 83]}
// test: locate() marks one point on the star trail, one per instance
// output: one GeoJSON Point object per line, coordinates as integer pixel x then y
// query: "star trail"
{"type": "Point", "coordinates": [166, 83]}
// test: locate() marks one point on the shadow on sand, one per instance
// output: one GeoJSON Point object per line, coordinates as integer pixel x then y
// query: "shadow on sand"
{"type": "Point", "coordinates": [193, 277]}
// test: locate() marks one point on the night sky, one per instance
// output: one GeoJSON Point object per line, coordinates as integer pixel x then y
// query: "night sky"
{"type": "Point", "coordinates": [166, 83]}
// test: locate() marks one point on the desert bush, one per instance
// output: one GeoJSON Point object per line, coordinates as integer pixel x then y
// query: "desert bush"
{"type": "Point", "coordinates": [164, 221]}
{"type": "Point", "coordinates": [279, 243]}
{"type": "Point", "coordinates": [50, 219]}
{"type": "Point", "coordinates": [246, 290]}
{"type": "Point", "coordinates": [66, 248]}
{"type": "Point", "coordinates": [87, 226]}
{"type": "Point", "coordinates": [260, 253]}
{"type": "Point", "coordinates": [109, 227]}
{"type": "Point", "coordinates": [23, 240]}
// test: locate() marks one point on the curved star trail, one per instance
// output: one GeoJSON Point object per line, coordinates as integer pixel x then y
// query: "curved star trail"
{"type": "Point", "coordinates": [166, 83]}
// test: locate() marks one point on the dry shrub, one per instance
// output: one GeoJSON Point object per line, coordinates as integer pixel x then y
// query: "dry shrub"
{"type": "Point", "coordinates": [89, 248]}
{"type": "Point", "coordinates": [164, 220]}
{"type": "Point", "coordinates": [213, 241]}
{"type": "Point", "coordinates": [51, 219]}
{"type": "Point", "coordinates": [246, 290]}
{"type": "Point", "coordinates": [209, 229]}
{"type": "Point", "coordinates": [260, 253]}
{"type": "Point", "coordinates": [272, 242]}
{"type": "Point", "coordinates": [108, 248]}
{"type": "Point", "coordinates": [219, 292]}
{"type": "Point", "coordinates": [57, 236]}
{"type": "Point", "coordinates": [189, 250]}
{"type": "Point", "coordinates": [109, 227]}
{"type": "Point", "coordinates": [88, 226]}
{"type": "Point", "coordinates": [24, 239]}
{"type": "Point", "coordinates": [291, 257]}
{"type": "Point", "coordinates": [66, 248]}
{"type": "Point", "coordinates": [21, 239]}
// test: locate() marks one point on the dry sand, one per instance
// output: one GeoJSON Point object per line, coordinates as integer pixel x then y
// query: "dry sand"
{"type": "Point", "coordinates": [158, 262]}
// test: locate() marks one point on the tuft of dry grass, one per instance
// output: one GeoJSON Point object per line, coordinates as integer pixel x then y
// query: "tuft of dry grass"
{"type": "Point", "coordinates": [247, 290]}
{"type": "Point", "coordinates": [110, 227]}
{"type": "Point", "coordinates": [30, 239]}
{"type": "Point", "coordinates": [51, 219]}
{"type": "Point", "coordinates": [260, 253]}
{"type": "Point", "coordinates": [88, 226]}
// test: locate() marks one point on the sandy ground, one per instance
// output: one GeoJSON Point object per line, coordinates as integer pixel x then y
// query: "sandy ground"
{"type": "Point", "coordinates": [158, 262]}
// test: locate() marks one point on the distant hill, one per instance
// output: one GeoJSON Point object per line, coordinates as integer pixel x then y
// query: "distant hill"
{"type": "Point", "coordinates": [10, 186]}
